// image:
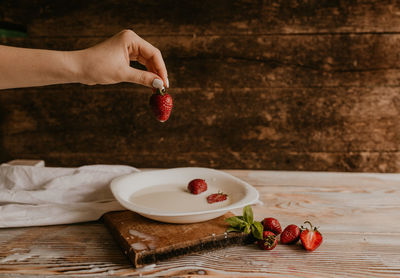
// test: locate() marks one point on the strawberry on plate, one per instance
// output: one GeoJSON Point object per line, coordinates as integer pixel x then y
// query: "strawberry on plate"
{"type": "Point", "coordinates": [216, 197]}
{"type": "Point", "coordinates": [197, 186]}
{"type": "Point", "coordinates": [161, 104]}
{"type": "Point", "coordinates": [310, 238]}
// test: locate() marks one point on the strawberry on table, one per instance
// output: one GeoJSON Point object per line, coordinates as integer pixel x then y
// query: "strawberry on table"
{"type": "Point", "coordinates": [310, 238]}
{"type": "Point", "coordinates": [272, 224]}
{"type": "Point", "coordinates": [269, 241]}
{"type": "Point", "coordinates": [290, 234]}
{"type": "Point", "coordinates": [161, 104]}
{"type": "Point", "coordinates": [197, 186]}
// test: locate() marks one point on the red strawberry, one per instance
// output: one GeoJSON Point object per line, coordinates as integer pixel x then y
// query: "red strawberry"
{"type": "Point", "coordinates": [290, 234]}
{"type": "Point", "coordinates": [161, 105]}
{"type": "Point", "coordinates": [269, 241]}
{"type": "Point", "coordinates": [197, 186]}
{"type": "Point", "coordinates": [216, 197]}
{"type": "Point", "coordinates": [310, 239]}
{"type": "Point", "coordinates": [272, 224]}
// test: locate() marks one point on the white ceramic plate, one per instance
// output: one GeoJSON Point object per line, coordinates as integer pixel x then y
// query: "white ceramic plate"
{"type": "Point", "coordinates": [162, 194]}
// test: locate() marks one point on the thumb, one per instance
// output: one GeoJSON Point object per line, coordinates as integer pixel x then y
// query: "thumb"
{"type": "Point", "coordinates": [145, 78]}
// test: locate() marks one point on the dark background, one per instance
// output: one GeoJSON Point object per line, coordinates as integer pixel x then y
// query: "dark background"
{"type": "Point", "coordinates": [288, 85]}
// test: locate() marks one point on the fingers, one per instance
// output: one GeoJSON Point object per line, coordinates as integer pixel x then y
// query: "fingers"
{"type": "Point", "coordinates": [150, 56]}
{"type": "Point", "coordinates": [145, 78]}
{"type": "Point", "coordinates": [159, 66]}
{"type": "Point", "coordinates": [153, 56]}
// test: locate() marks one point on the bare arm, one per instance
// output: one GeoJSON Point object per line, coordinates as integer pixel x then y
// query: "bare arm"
{"type": "Point", "coordinates": [22, 67]}
{"type": "Point", "coordinates": [105, 63]}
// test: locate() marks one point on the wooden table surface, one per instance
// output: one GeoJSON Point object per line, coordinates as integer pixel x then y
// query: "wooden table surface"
{"type": "Point", "coordinates": [358, 215]}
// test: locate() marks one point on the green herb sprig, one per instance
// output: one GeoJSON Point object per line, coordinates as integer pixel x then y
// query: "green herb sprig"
{"type": "Point", "coordinates": [245, 224]}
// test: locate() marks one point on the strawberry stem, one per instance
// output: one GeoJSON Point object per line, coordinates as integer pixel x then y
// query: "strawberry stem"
{"type": "Point", "coordinates": [161, 91]}
{"type": "Point", "coordinates": [311, 226]}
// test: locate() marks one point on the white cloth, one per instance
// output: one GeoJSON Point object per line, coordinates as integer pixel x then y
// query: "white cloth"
{"type": "Point", "coordinates": [36, 196]}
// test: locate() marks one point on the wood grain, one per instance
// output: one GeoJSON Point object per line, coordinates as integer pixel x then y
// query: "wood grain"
{"type": "Point", "coordinates": [288, 85]}
{"type": "Point", "coordinates": [344, 205]}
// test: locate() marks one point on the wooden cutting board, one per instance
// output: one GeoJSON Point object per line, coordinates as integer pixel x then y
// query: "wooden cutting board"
{"type": "Point", "coordinates": [146, 241]}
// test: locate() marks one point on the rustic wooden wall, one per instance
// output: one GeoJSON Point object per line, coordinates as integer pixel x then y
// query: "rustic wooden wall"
{"type": "Point", "coordinates": [305, 85]}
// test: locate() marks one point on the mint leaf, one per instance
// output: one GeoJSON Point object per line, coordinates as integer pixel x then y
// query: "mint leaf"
{"type": "Point", "coordinates": [235, 222]}
{"type": "Point", "coordinates": [245, 224]}
{"type": "Point", "coordinates": [248, 214]}
{"type": "Point", "coordinates": [247, 229]}
{"type": "Point", "coordinates": [257, 230]}
{"type": "Point", "coordinates": [231, 229]}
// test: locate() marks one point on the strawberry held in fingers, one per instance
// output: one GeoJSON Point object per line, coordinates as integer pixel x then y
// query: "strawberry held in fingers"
{"type": "Point", "coordinates": [161, 104]}
{"type": "Point", "coordinates": [311, 239]}
{"type": "Point", "coordinates": [269, 241]}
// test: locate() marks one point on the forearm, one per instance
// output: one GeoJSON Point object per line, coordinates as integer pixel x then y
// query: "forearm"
{"type": "Point", "coordinates": [23, 67]}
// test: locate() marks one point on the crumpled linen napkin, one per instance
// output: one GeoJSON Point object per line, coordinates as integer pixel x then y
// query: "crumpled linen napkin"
{"type": "Point", "coordinates": [36, 196]}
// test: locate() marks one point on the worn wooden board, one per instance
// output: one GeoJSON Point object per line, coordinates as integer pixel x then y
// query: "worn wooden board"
{"type": "Point", "coordinates": [145, 241]}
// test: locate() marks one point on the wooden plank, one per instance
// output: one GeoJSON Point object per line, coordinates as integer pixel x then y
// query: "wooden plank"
{"type": "Point", "coordinates": [344, 205]}
{"type": "Point", "coordinates": [57, 18]}
{"type": "Point", "coordinates": [352, 129]}
{"type": "Point", "coordinates": [277, 116]}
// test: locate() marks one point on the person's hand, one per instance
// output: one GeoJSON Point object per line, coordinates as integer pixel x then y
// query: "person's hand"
{"type": "Point", "coordinates": [108, 62]}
